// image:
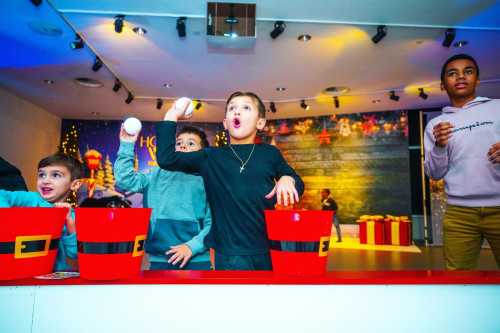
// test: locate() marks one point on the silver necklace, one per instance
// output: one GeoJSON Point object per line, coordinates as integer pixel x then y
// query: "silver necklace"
{"type": "Point", "coordinates": [239, 158]}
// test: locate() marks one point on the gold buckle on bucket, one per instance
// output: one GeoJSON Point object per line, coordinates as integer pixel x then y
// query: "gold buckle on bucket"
{"type": "Point", "coordinates": [323, 246]}
{"type": "Point", "coordinates": [20, 245]}
{"type": "Point", "coordinates": [139, 246]}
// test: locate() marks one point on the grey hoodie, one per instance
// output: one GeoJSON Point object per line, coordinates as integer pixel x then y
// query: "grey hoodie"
{"type": "Point", "coordinates": [471, 180]}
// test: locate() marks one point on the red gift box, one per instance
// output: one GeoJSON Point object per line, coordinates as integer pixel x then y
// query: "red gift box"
{"type": "Point", "coordinates": [397, 231]}
{"type": "Point", "coordinates": [371, 231]}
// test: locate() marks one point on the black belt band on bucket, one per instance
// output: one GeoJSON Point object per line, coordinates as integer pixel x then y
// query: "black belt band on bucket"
{"type": "Point", "coordinates": [108, 247]}
{"type": "Point", "coordinates": [28, 246]}
{"type": "Point", "coordinates": [295, 246]}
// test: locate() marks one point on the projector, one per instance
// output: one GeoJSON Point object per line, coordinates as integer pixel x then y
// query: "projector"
{"type": "Point", "coordinates": [231, 25]}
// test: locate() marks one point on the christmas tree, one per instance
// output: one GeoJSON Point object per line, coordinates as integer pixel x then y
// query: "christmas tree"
{"type": "Point", "coordinates": [100, 176]}
{"type": "Point", "coordinates": [109, 178]}
{"type": "Point", "coordinates": [69, 144]}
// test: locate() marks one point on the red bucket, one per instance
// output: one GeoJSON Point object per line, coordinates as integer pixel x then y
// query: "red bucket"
{"type": "Point", "coordinates": [29, 241]}
{"type": "Point", "coordinates": [299, 240]}
{"type": "Point", "coordinates": [111, 241]}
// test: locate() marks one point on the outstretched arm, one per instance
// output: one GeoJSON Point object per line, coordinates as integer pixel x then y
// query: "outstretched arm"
{"type": "Point", "coordinates": [126, 177]}
{"type": "Point", "coordinates": [289, 187]}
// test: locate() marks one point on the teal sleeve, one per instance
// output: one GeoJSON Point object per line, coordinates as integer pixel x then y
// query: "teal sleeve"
{"type": "Point", "coordinates": [196, 243]}
{"type": "Point", "coordinates": [125, 176]}
{"type": "Point", "coordinates": [22, 199]}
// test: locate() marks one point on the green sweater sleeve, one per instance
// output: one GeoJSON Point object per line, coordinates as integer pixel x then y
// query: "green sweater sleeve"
{"type": "Point", "coordinates": [22, 199]}
{"type": "Point", "coordinates": [125, 176]}
{"type": "Point", "coordinates": [196, 243]}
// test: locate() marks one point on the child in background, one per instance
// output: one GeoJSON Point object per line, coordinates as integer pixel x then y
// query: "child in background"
{"type": "Point", "coordinates": [180, 217]}
{"type": "Point", "coordinates": [58, 175]}
{"type": "Point", "coordinates": [242, 180]}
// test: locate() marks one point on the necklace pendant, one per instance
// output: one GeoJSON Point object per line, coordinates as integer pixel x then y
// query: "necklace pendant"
{"type": "Point", "coordinates": [242, 168]}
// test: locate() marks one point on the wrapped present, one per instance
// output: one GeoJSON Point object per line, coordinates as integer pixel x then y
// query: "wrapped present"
{"type": "Point", "coordinates": [371, 231]}
{"type": "Point", "coordinates": [397, 230]}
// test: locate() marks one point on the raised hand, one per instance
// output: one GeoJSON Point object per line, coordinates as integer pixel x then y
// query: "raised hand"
{"type": "Point", "coordinates": [125, 137]}
{"type": "Point", "coordinates": [178, 110]}
{"type": "Point", "coordinates": [442, 133]}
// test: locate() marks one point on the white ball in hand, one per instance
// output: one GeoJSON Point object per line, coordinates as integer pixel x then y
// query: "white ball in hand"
{"type": "Point", "coordinates": [181, 102]}
{"type": "Point", "coordinates": [132, 126]}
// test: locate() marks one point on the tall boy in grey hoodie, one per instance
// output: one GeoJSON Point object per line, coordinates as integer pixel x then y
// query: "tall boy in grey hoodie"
{"type": "Point", "coordinates": [462, 146]}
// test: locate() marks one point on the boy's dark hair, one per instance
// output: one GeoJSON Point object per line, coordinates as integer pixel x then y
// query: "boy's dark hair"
{"type": "Point", "coordinates": [196, 131]}
{"type": "Point", "coordinates": [260, 104]}
{"type": "Point", "coordinates": [458, 57]}
{"type": "Point", "coordinates": [327, 190]}
{"type": "Point", "coordinates": [72, 164]}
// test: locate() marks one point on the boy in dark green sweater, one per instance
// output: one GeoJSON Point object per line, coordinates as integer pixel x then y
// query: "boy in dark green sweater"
{"type": "Point", "coordinates": [241, 179]}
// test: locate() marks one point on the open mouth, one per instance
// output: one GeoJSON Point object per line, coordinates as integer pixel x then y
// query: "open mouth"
{"type": "Point", "coordinates": [236, 123]}
{"type": "Point", "coordinates": [461, 85]}
{"type": "Point", "coordinates": [46, 190]}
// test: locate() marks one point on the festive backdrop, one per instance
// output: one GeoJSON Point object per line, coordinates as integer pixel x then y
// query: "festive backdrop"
{"type": "Point", "coordinates": [361, 158]}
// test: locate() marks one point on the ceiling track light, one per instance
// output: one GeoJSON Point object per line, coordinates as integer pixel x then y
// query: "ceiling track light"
{"type": "Point", "coordinates": [449, 37]}
{"type": "Point", "coordinates": [381, 33]}
{"type": "Point", "coordinates": [304, 105]}
{"type": "Point", "coordinates": [36, 2]}
{"type": "Point", "coordinates": [198, 105]}
{"type": "Point", "coordinates": [336, 102]}
{"type": "Point", "coordinates": [130, 98]}
{"type": "Point", "coordinates": [422, 94]}
{"type": "Point", "coordinates": [77, 43]}
{"type": "Point", "coordinates": [119, 23]}
{"type": "Point", "coordinates": [181, 26]}
{"type": "Point", "coordinates": [159, 103]}
{"type": "Point", "coordinates": [272, 107]}
{"type": "Point", "coordinates": [97, 64]}
{"type": "Point", "coordinates": [279, 28]}
{"type": "Point", "coordinates": [117, 85]}
{"type": "Point", "coordinates": [393, 96]}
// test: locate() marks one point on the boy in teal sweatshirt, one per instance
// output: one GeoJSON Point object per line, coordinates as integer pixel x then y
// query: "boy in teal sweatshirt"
{"type": "Point", "coordinates": [58, 175]}
{"type": "Point", "coordinates": [180, 217]}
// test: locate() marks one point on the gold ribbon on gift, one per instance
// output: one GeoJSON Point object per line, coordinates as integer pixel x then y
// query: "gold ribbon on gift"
{"type": "Point", "coordinates": [395, 233]}
{"type": "Point", "coordinates": [370, 232]}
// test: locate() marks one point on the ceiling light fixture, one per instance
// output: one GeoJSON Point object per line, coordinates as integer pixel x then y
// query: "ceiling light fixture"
{"type": "Point", "coordinates": [129, 98]}
{"type": "Point", "coordinates": [449, 37]}
{"type": "Point", "coordinates": [272, 107]}
{"type": "Point", "coordinates": [280, 89]}
{"type": "Point", "coordinates": [48, 81]}
{"type": "Point", "coordinates": [336, 102]}
{"type": "Point", "coordinates": [119, 23]}
{"type": "Point", "coordinates": [168, 85]}
{"type": "Point", "coordinates": [304, 38]}
{"type": "Point", "coordinates": [279, 27]}
{"type": "Point", "coordinates": [77, 43]}
{"type": "Point", "coordinates": [198, 105]}
{"type": "Point", "coordinates": [159, 103]}
{"type": "Point", "coordinates": [117, 85]}
{"type": "Point", "coordinates": [140, 31]}
{"type": "Point", "coordinates": [97, 64]}
{"type": "Point", "coordinates": [381, 33]}
{"type": "Point", "coordinates": [422, 94]}
{"type": "Point", "coordinates": [304, 105]}
{"type": "Point", "coordinates": [181, 26]}
{"type": "Point", "coordinates": [393, 96]}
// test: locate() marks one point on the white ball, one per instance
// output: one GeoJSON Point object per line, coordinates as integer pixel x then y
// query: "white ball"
{"type": "Point", "coordinates": [132, 125]}
{"type": "Point", "coordinates": [183, 101]}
